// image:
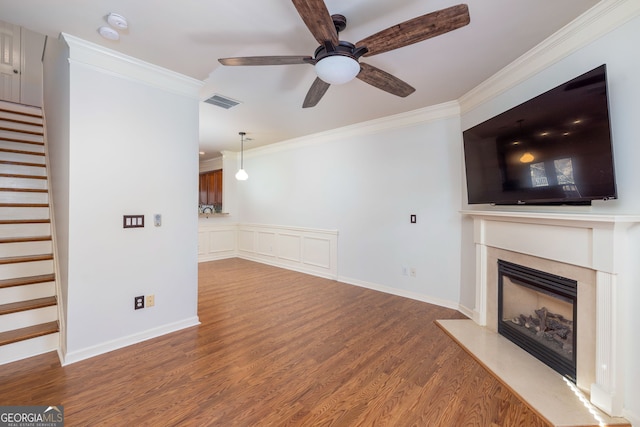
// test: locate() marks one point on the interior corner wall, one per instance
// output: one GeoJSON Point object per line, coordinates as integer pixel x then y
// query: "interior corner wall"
{"type": "Point", "coordinates": [366, 187]}
{"type": "Point", "coordinates": [614, 49]}
{"type": "Point", "coordinates": [121, 146]}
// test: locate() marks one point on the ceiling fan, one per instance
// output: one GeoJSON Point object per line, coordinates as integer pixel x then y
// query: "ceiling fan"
{"type": "Point", "coordinates": [337, 61]}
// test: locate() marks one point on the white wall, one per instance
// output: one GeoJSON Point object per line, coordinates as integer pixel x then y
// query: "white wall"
{"type": "Point", "coordinates": [56, 110]}
{"type": "Point", "coordinates": [131, 148]}
{"type": "Point", "coordinates": [365, 182]}
{"type": "Point", "coordinates": [617, 49]}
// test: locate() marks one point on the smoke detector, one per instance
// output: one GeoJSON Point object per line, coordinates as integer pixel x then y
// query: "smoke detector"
{"type": "Point", "coordinates": [117, 21]}
{"type": "Point", "coordinates": [108, 33]}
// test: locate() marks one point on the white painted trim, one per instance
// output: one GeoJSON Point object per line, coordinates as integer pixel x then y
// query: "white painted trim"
{"type": "Point", "coordinates": [84, 53]}
{"type": "Point", "coordinates": [467, 311]}
{"type": "Point", "coordinates": [594, 239]}
{"type": "Point", "coordinates": [400, 292]}
{"type": "Point", "coordinates": [594, 23]}
{"type": "Point", "coordinates": [432, 113]}
{"type": "Point", "coordinates": [78, 355]}
{"type": "Point", "coordinates": [307, 250]}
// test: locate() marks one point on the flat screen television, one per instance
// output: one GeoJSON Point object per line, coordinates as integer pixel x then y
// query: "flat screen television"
{"type": "Point", "coordinates": [553, 149]}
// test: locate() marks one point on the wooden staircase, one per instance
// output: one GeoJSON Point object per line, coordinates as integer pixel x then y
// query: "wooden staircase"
{"type": "Point", "coordinates": [28, 302]}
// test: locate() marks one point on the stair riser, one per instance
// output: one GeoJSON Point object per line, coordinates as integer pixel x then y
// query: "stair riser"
{"type": "Point", "coordinates": [23, 197]}
{"type": "Point", "coordinates": [23, 319]}
{"type": "Point", "coordinates": [23, 213]}
{"type": "Point", "coordinates": [27, 292]}
{"type": "Point", "coordinates": [6, 134]}
{"type": "Point", "coordinates": [10, 145]}
{"type": "Point", "coordinates": [25, 158]}
{"type": "Point", "coordinates": [25, 269]}
{"type": "Point", "coordinates": [28, 348]}
{"type": "Point", "coordinates": [8, 250]}
{"type": "Point", "coordinates": [27, 183]}
{"type": "Point", "coordinates": [5, 115]}
{"type": "Point", "coordinates": [23, 170]}
{"type": "Point", "coordinates": [20, 108]}
{"type": "Point", "coordinates": [20, 127]}
{"type": "Point", "coordinates": [24, 230]}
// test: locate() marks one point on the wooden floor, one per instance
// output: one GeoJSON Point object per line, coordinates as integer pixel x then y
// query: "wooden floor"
{"type": "Point", "coordinates": [279, 348]}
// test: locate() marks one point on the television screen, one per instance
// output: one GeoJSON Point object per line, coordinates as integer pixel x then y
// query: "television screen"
{"type": "Point", "coordinates": [552, 149]}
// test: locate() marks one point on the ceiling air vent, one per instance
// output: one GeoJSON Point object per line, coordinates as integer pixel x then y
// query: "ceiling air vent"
{"type": "Point", "coordinates": [222, 101]}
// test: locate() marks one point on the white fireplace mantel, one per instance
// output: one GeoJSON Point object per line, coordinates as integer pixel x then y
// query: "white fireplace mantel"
{"type": "Point", "coordinates": [593, 241]}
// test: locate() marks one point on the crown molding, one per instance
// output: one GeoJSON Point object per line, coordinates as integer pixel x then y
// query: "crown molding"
{"type": "Point", "coordinates": [102, 59]}
{"type": "Point", "coordinates": [420, 116]}
{"type": "Point", "coordinates": [591, 25]}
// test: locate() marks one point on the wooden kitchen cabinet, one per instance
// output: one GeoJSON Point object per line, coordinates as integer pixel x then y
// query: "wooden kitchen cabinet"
{"type": "Point", "coordinates": [211, 188]}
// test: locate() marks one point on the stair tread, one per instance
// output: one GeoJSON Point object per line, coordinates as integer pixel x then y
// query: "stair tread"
{"type": "Point", "coordinates": [11, 162]}
{"type": "Point", "coordinates": [16, 307]}
{"type": "Point", "coordinates": [17, 175]}
{"type": "Point", "coordinates": [24, 190]}
{"type": "Point", "coordinates": [20, 140]}
{"type": "Point", "coordinates": [30, 153]}
{"type": "Point", "coordinates": [22, 334]}
{"type": "Point", "coordinates": [24, 221]}
{"type": "Point", "coordinates": [26, 258]}
{"type": "Point", "coordinates": [25, 239]}
{"type": "Point", "coordinates": [20, 281]}
{"type": "Point", "coordinates": [24, 205]}
{"type": "Point", "coordinates": [27, 132]}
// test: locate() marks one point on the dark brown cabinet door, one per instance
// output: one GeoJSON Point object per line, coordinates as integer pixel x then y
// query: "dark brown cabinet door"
{"type": "Point", "coordinates": [211, 188]}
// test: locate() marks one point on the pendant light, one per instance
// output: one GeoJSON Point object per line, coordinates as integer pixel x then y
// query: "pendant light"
{"type": "Point", "coordinates": [241, 175]}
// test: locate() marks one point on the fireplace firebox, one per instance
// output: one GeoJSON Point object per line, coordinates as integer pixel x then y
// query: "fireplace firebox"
{"type": "Point", "coordinates": [538, 311]}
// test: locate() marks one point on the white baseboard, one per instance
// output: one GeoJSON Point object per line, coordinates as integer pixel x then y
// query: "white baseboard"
{"type": "Point", "coordinates": [400, 292]}
{"type": "Point", "coordinates": [78, 355]}
{"type": "Point", "coordinates": [470, 313]}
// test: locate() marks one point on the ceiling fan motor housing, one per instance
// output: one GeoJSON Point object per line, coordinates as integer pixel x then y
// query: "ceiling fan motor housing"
{"type": "Point", "coordinates": [343, 49]}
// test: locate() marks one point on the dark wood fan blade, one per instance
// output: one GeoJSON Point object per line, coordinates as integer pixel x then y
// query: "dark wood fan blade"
{"type": "Point", "coordinates": [416, 30]}
{"type": "Point", "coordinates": [267, 60]}
{"type": "Point", "coordinates": [316, 17]}
{"type": "Point", "coordinates": [316, 92]}
{"type": "Point", "coordinates": [383, 80]}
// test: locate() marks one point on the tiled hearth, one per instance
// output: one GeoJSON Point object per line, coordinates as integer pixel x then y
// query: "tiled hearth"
{"type": "Point", "coordinates": [579, 246]}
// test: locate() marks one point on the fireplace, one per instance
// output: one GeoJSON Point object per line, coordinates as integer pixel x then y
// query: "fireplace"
{"type": "Point", "coordinates": [590, 248]}
{"type": "Point", "coordinates": [537, 311]}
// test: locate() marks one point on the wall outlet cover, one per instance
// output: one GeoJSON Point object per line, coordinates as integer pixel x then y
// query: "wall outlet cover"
{"type": "Point", "coordinates": [138, 302]}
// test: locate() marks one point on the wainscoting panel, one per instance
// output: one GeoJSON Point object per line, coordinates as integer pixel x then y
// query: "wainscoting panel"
{"type": "Point", "coordinates": [290, 247]}
{"type": "Point", "coordinates": [317, 252]}
{"type": "Point", "coordinates": [266, 243]}
{"type": "Point", "coordinates": [306, 250]}
{"type": "Point", "coordinates": [217, 242]}
{"type": "Point", "coordinates": [246, 241]}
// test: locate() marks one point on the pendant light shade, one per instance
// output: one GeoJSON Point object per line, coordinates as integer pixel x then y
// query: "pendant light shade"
{"type": "Point", "coordinates": [242, 175]}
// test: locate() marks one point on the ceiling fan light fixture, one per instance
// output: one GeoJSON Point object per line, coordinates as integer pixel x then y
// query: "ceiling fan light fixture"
{"type": "Point", "coordinates": [337, 69]}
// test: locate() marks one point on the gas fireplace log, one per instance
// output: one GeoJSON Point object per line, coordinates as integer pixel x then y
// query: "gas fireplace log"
{"type": "Point", "coordinates": [542, 315]}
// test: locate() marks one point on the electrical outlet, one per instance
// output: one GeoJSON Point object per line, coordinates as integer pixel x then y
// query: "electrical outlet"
{"type": "Point", "coordinates": [138, 302]}
{"type": "Point", "coordinates": [412, 272]}
{"type": "Point", "coordinates": [151, 300]}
